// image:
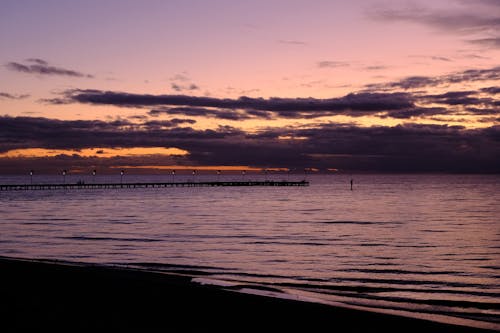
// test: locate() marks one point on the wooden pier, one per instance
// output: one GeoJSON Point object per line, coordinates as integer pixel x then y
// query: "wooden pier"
{"type": "Point", "coordinates": [80, 186]}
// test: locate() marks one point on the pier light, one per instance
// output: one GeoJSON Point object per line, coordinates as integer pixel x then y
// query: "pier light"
{"type": "Point", "coordinates": [64, 172]}
{"type": "Point", "coordinates": [121, 176]}
{"type": "Point", "coordinates": [93, 175]}
{"type": "Point", "coordinates": [31, 176]}
{"type": "Point", "coordinates": [173, 175]}
{"type": "Point", "coordinates": [94, 172]}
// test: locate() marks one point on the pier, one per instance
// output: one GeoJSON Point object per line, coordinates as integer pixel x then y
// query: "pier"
{"type": "Point", "coordinates": [80, 186]}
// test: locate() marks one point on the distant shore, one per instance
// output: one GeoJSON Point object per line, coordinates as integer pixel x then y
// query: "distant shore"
{"type": "Point", "coordinates": [51, 295]}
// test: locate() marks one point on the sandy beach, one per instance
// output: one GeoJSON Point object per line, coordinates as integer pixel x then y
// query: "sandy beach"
{"type": "Point", "coordinates": [50, 295]}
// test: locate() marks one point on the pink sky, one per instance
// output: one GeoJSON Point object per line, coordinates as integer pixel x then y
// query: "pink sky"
{"type": "Point", "coordinates": [260, 49]}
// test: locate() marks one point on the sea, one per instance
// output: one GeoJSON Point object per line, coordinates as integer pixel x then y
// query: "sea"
{"type": "Point", "coordinates": [418, 245]}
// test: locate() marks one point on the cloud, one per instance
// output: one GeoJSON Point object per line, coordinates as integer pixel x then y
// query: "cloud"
{"type": "Point", "coordinates": [403, 148]}
{"type": "Point", "coordinates": [159, 124]}
{"type": "Point", "coordinates": [395, 104]}
{"type": "Point", "coordinates": [332, 64]}
{"type": "Point", "coordinates": [38, 61]}
{"type": "Point", "coordinates": [466, 76]}
{"type": "Point", "coordinates": [375, 68]}
{"type": "Point", "coordinates": [491, 90]}
{"type": "Point", "coordinates": [291, 42]}
{"type": "Point", "coordinates": [354, 104]}
{"type": "Point", "coordinates": [459, 98]}
{"type": "Point", "coordinates": [440, 58]}
{"type": "Point", "coordinates": [202, 112]}
{"type": "Point", "coordinates": [11, 96]}
{"type": "Point", "coordinates": [479, 19]}
{"type": "Point", "coordinates": [469, 19]}
{"type": "Point", "coordinates": [25, 132]}
{"type": "Point", "coordinates": [488, 42]}
{"type": "Point", "coordinates": [415, 112]}
{"type": "Point", "coordinates": [181, 82]}
{"type": "Point", "coordinates": [179, 87]}
{"type": "Point", "coordinates": [41, 67]}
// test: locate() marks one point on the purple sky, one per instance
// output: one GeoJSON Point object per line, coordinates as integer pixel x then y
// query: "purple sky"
{"type": "Point", "coordinates": [353, 85]}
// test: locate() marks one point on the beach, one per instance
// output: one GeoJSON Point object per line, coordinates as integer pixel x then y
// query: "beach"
{"type": "Point", "coordinates": [61, 295]}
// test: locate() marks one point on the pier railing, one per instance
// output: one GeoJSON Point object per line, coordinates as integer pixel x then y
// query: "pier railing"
{"type": "Point", "coordinates": [74, 186]}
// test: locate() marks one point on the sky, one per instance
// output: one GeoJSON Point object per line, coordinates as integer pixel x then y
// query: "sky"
{"type": "Point", "coordinates": [334, 86]}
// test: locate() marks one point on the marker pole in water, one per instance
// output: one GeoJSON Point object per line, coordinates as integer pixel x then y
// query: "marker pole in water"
{"type": "Point", "coordinates": [93, 175]}
{"type": "Point", "coordinates": [121, 176]}
{"type": "Point", "coordinates": [173, 176]}
{"type": "Point", "coordinates": [352, 181]}
{"type": "Point", "coordinates": [218, 175]}
{"type": "Point", "coordinates": [31, 176]}
{"type": "Point", "coordinates": [64, 176]}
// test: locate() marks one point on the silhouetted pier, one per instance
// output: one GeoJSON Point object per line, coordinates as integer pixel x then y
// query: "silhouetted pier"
{"type": "Point", "coordinates": [77, 186]}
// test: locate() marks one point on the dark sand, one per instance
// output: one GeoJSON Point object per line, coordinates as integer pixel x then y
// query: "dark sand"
{"type": "Point", "coordinates": [57, 296]}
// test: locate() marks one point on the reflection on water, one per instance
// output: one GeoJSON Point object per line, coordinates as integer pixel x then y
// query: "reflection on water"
{"type": "Point", "coordinates": [422, 243]}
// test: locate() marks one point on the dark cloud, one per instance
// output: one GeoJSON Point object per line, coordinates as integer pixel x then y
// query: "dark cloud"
{"type": "Point", "coordinates": [41, 67]}
{"type": "Point", "coordinates": [227, 114]}
{"type": "Point", "coordinates": [484, 111]}
{"type": "Point", "coordinates": [414, 82]}
{"type": "Point", "coordinates": [158, 124]}
{"type": "Point", "coordinates": [491, 90]}
{"type": "Point", "coordinates": [414, 112]}
{"type": "Point", "coordinates": [175, 87]}
{"type": "Point", "coordinates": [355, 104]}
{"type": "Point", "coordinates": [11, 96]}
{"type": "Point", "coordinates": [25, 132]}
{"type": "Point", "coordinates": [179, 87]}
{"type": "Point", "coordinates": [38, 61]}
{"type": "Point", "coordinates": [261, 114]}
{"type": "Point", "coordinates": [403, 148]}
{"type": "Point", "coordinates": [398, 105]}
{"type": "Point", "coordinates": [458, 98]}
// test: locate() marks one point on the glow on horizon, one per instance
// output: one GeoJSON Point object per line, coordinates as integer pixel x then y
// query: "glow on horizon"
{"type": "Point", "coordinates": [94, 152]}
{"type": "Point", "coordinates": [202, 168]}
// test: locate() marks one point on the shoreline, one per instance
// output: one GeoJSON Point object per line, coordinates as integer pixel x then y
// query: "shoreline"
{"type": "Point", "coordinates": [63, 295]}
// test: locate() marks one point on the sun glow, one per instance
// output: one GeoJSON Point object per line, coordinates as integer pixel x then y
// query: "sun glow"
{"type": "Point", "coordinates": [94, 152]}
{"type": "Point", "coordinates": [202, 168]}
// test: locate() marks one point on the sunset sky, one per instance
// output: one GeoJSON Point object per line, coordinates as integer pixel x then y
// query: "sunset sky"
{"type": "Point", "coordinates": [372, 86]}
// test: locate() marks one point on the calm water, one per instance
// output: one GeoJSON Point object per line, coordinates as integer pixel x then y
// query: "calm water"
{"type": "Point", "coordinates": [428, 245]}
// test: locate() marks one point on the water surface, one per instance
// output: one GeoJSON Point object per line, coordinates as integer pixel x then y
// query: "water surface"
{"type": "Point", "coordinates": [424, 244]}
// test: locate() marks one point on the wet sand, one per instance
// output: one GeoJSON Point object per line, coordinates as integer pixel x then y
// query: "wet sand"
{"type": "Point", "coordinates": [61, 296]}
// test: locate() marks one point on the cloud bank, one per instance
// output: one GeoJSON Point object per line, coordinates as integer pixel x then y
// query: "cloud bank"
{"type": "Point", "coordinates": [403, 148]}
